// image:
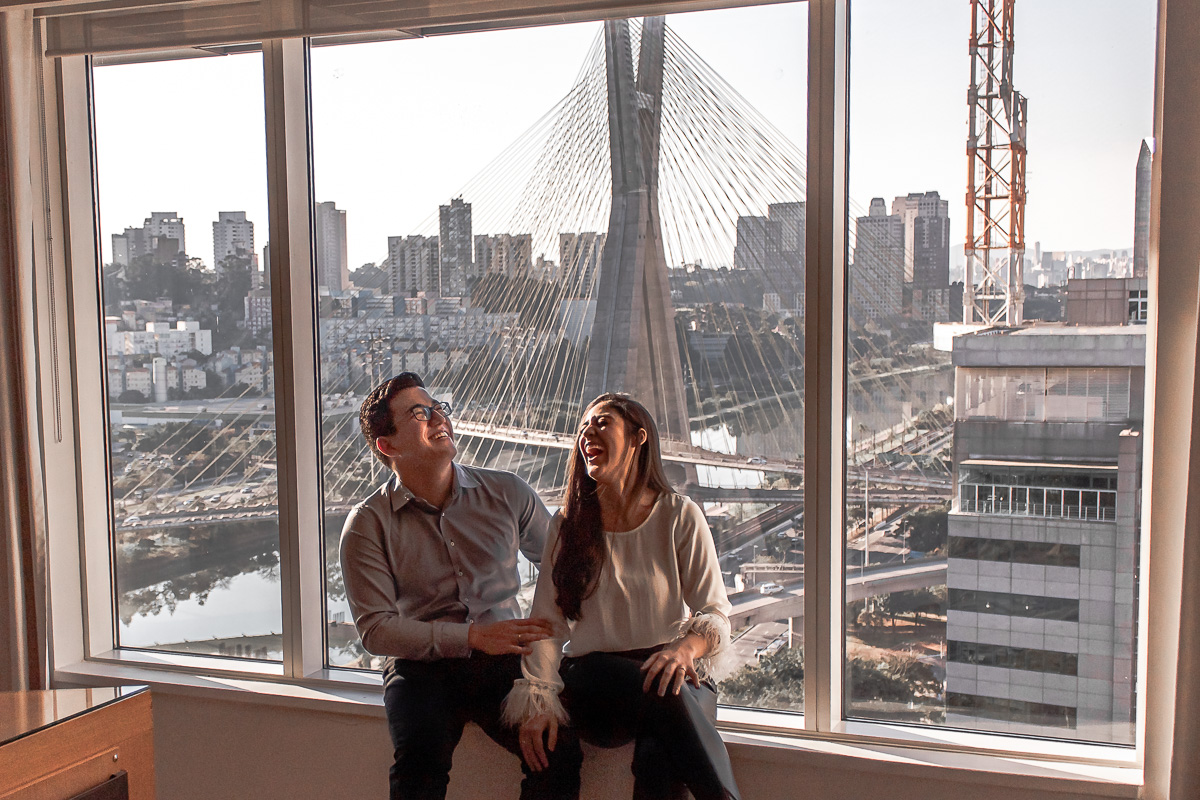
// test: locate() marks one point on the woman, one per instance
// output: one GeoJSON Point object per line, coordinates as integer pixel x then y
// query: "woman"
{"type": "Point", "coordinates": [631, 581]}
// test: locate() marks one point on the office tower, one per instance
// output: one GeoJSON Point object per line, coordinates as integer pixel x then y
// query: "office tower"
{"type": "Point", "coordinates": [1141, 213]}
{"type": "Point", "coordinates": [579, 257]}
{"type": "Point", "coordinates": [877, 273]}
{"type": "Point", "coordinates": [233, 235]}
{"type": "Point", "coordinates": [926, 220]}
{"type": "Point", "coordinates": [1044, 530]}
{"type": "Point", "coordinates": [412, 263]}
{"type": "Point", "coordinates": [333, 265]}
{"type": "Point", "coordinates": [454, 253]}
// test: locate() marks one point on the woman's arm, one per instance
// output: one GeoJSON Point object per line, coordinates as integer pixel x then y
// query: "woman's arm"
{"type": "Point", "coordinates": [702, 584]}
{"type": "Point", "coordinates": [537, 693]}
{"type": "Point", "coordinates": [705, 633]}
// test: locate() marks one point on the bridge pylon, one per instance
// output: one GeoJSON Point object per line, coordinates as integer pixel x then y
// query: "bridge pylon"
{"type": "Point", "coordinates": [633, 345]}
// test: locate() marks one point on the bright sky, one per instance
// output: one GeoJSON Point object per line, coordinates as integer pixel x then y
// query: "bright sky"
{"type": "Point", "coordinates": [400, 127]}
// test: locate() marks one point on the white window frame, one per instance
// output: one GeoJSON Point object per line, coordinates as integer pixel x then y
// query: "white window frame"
{"type": "Point", "coordinates": [73, 431]}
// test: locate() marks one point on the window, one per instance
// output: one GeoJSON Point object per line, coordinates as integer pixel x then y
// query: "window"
{"type": "Point", "coordinates": [488, 275]}
{"type": "Point", "coordinates": [992, 438]}
{"type": "Point", "coordinates": [991, 477]}
{"type": "Point", "coordinates": [188, 358]}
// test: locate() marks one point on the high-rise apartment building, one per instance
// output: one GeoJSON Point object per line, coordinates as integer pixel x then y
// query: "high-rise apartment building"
{"type": "Point", "coordinates": [926, 220]}
{"type": "Point", "coordinates": [579, 257]}
{"type": "Point", "coordinates": [161, 235]}
{"type": "Point", "coordinates": [333, 265]}
{"type": "Point", "coordinates": [877, 274]}
{"type": "Point", "coordinates": [412, 263]}
{"type": "Point", "coordinates": [233, 235]}
{"type": "Point", "coordinates": [508, 254]}
{"type": "Point", "coordinates": [1044, 530]}
{"type": "Point", "coordinates": [1141, 213]}
{"type": "Point", "coordinates": [455, 263]}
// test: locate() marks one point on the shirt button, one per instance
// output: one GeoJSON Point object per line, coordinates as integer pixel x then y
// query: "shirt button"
{"type": "Point", "coordinates": [452, 543]}
{"type": "Point", "coordinates": [460, 573]}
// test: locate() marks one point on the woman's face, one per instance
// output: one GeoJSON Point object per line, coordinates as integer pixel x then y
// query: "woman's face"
{"type": "Point", "coordinates": [609, 445]}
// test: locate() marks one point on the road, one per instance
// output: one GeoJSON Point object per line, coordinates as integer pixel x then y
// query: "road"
{"type": "Point", "coordinates": [752, 608]}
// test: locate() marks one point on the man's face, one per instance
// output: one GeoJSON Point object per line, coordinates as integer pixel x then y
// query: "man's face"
{"type": "Point", "coordinates": [417, 443]}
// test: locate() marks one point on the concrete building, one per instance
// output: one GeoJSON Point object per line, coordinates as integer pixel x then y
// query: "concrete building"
{"type": "Point", "coordinates": [1141, 213]}
{"type": "Point", "coordinates": [1107, 301]}
{"type": "Point", "coordinates": [772, 247]}
{"type": "Point", "coordinates": [579, 256]}
{"type": "Point", "coordinates": [1044, 529]}
{"type": "Point", "coordinates": [877, 273]}
{"type": "Point", "coordinates": [507, 254]}
{"type": "Point", "coordinates": [161, 235]}
{"type": "Point", "coordinates": [412, 263]}
{"type": "Point", "coordinates": [455, 262]}
{"type": "Point", "coordinates": [926, 220]}
{"type": "Point", "coordinates": [233, 235]}
{"type": "Point", "coordinates": [333, 264]}
{"type": "Point", "coordinates": [158, 338]}
{"type": "Point", "coordinates": [258, 311]}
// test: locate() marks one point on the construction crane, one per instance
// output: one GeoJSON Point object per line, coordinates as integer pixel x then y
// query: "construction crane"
{"type": "Point", "coordinates": [993, 291]}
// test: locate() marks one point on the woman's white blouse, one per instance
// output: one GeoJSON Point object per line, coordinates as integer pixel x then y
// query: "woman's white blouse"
{"type": "Point", "coordinates": [660, 581]}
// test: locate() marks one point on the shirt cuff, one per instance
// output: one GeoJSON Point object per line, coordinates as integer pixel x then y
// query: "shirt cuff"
{"type": "Point", "coordinates": [450, 639]}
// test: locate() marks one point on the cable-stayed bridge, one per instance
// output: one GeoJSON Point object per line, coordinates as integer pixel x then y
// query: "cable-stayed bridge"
{"type": "Point", "coordinates": [652, 213]}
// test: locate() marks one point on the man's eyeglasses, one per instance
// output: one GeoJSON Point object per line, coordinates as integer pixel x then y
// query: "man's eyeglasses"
{"type": "Point", "coordinates": [425, 413]}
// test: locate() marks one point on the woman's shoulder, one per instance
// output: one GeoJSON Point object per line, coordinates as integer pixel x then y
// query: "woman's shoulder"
{"type": "Point", "coordinates": [683, 509]}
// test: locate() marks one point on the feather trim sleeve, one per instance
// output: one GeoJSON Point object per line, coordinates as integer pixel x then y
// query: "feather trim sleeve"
{"type": "Point", "coordinates": [530, 697]}
{"type": "Point", "coordinates": [714, 629]}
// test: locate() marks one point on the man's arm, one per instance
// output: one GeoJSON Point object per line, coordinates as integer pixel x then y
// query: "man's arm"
{"type": "Point", "coordinates": [533, 521]}
{"type": "Point", "coordinates": [371, 590]}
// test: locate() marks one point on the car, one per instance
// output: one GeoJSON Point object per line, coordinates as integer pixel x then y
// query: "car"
{"type": "Point", "coordinates": [756, 460]}
{"type": "Point", "coordinates": [770, 587]}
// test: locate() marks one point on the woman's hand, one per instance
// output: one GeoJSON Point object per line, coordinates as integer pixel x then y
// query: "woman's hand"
{"type": "Point", "coordinates": [674, 664]}
{"type": "Point", "coordinates": [535, 741]}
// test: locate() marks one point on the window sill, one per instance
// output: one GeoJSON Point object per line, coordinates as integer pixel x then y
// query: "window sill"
{"type": "Point", "coordinates": [752, 736]}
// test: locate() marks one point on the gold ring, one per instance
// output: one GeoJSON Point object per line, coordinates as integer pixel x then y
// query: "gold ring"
{"type": "Point", "coordinates": [520, 639]}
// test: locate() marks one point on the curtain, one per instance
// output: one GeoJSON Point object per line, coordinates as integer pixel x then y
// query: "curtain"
{"type": "Point", "coordinates": [23, 599]}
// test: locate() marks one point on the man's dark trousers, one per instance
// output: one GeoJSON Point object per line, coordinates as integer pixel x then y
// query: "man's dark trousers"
{"type": "Point", "coordinates": [429, 702]}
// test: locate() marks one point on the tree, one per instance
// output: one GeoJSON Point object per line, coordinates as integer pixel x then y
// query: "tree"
{"type": "Point", "coordinates": [927, 529]}
{"type": "Point", "coordinates": [132, 396]}
{"type": "Point", "coordinates": [776, 681]}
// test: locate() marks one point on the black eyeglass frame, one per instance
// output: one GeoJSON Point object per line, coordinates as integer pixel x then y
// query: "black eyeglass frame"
{"type": "Point", "coordinates": [425, 413]}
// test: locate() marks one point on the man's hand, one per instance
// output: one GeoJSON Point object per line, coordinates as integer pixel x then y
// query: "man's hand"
{"type": "Point", "coordinates": [538, 734]}
{"type": "Point", "coordinates": [673, 665]}
{"type": "Point", "coordinates": [508, 636]}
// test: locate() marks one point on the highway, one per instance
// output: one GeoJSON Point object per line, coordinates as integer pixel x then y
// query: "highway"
{"type": "Point", "coordinates": [752, 608]}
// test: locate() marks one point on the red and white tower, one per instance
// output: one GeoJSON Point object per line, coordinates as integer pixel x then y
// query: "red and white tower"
{"type": "Point", "coordinates": [995, 246]}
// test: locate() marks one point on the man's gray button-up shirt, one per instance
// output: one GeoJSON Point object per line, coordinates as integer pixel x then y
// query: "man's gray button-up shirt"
{"type": "Point", "coordinates": [417, 576]}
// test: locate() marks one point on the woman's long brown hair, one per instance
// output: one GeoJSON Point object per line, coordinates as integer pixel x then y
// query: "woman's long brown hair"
{"type": "Point", "coordinates": [581, 547]}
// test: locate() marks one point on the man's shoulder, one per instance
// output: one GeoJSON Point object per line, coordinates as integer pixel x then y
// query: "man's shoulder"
{"type": "Point", "coordinates": [497, 479]}
{"type": "Point", "coordinates": [373, 506]}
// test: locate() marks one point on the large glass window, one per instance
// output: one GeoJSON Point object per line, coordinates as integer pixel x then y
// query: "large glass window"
{"type": "Point", "coordinates": [465, 234]}
{"type": "Point", "coordinates": [993, 460]}
{"type": "Point", "coordinates": [463, 224]}
{"type": "Point", "coordinates": [188, 356]}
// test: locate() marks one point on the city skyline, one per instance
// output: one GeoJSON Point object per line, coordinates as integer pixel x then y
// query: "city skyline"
{"type": "Point", "coordinates": [884, 162]}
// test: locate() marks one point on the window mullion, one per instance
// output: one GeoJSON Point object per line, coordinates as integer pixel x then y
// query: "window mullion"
{"type": "Point", "coordinates": [289, 203]}
{"type": "Point", "coordinates": [824, 326]}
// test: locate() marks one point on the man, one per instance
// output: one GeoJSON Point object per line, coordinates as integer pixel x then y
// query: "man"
{"type": "Point", "coordinates": [430, 568]}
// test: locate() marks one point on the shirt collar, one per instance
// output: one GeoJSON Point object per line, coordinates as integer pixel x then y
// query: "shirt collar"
{"type": "Point", "coordinates": [400, 494]}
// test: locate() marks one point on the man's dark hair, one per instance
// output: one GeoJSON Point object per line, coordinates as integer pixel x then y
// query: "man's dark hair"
{"type": "Point", "coordinates": [375, 416]}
